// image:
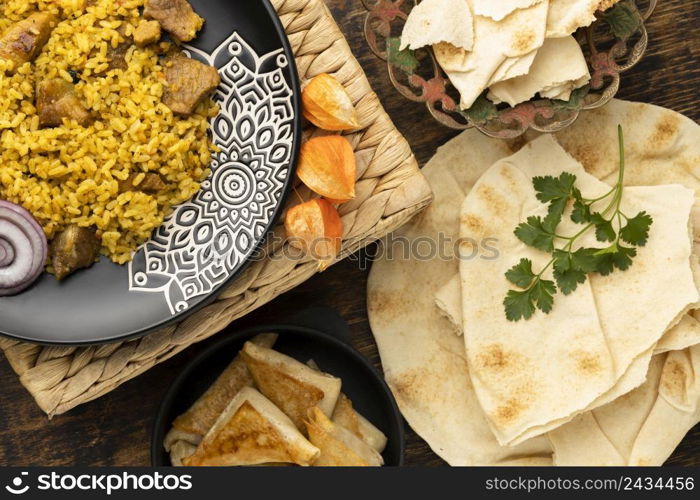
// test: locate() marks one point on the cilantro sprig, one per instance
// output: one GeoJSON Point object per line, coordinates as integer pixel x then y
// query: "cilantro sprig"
{"type": "Point", "coordinates": [570, 267]}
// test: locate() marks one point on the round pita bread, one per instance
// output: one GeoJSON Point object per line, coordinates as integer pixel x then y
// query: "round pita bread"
{"type": "Point", "coordinates": [559, 64]}
{"type": "Point", "coordinates": [516, 36]}
{"type": "Point", "coordinates": [500, 9]}
{"type": "Point", "coordinates": [566, 16]}
{"type": "Point", "coordinates": [535, 375]}
{"type": "Point", "coordinates": [423, 359]}
{"type": "Point", "coordinates": [428, 25]}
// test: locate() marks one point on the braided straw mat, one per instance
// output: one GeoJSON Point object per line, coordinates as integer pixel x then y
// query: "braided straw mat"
{"type": "Point", "coordinates": [390, 191]}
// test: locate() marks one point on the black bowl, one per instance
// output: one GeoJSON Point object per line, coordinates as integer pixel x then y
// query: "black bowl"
{"type": "Point", "coordinates": [361, 382]}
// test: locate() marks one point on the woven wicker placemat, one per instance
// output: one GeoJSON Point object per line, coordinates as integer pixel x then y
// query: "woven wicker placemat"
{"type": "Point", "coordinates": [391, 190]}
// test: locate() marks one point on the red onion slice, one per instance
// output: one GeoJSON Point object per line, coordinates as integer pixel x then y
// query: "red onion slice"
{"type": "Point", "coordinates": [23, 249]}
{"type": "Point", "coordinates": [7, 253]}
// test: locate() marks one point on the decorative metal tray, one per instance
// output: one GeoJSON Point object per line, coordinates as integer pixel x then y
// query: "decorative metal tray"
{"type": "Point", "coordinates": [613, 44]}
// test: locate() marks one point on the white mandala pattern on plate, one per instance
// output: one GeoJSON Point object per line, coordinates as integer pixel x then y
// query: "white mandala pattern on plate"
{"type": "Point", "coordinates": [204, 241]}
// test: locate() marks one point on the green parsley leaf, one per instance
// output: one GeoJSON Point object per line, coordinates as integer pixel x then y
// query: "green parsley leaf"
{"type": "Point", "coordinates": [569, 280]}
{"type": "Point", "coordinates": [521, 274]}
{"type": "Point", "coordinates": [584, 259]}
{"type": "Point", "coordinates": [623, 257]}
{"type": "Point", "coordinates": [554, 215]}
{"type": "Point", "coordinates": [571, 268]}
{"type": "Point", "coordinates": [556, 191]}
{"type": "Point", "coordinates": [562, 260]}
{"type": "Point", "coordinates": [518, 305]}
{"type": "Point", "coordinates": [603, 228]}
{"type": "Point", "coordinates": [551, 188]}
{"type": "Point", "coordinates": [581, 212]}
{"type": "Point", "coordinates": [615, 256]}
{"type": "Point", "coordinates": [542, 294]}
{"type": "Point", "coordinates": [636, 231]}
{"type": "Point", "coordinates": [522, 304]}
{"type": "Point", "coordinates": [604, 260]}
{"type": "Point", "coordinates": [534, 234]}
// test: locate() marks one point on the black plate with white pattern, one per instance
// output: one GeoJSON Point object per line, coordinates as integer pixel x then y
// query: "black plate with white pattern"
{"type": "Point", "coordinates": [206, 242]}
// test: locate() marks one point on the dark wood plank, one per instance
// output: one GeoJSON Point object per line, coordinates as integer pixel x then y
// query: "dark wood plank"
{"type": "Point", "coordinates": [115, 430]}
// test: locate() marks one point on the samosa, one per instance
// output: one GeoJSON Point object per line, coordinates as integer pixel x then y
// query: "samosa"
{"type": "Point", "coordinates": [339, 447]}
{"type": "Point", "coordinates": [253, 431]}
{"type": "Point", "coordinates": [190, 427]}
{"type": "Point", "coordinates": [346, 416]}
{"type": "Point", "coordinates": [291, 385]}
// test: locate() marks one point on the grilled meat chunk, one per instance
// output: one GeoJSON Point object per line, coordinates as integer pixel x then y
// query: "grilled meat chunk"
{"type": "Point", "coordinates": [22, 42]}
{"type": "Point", "coordinates": [74, 248]}
{"type": "Point", "coordinates": [117, 56]}
{"type": "Point", "coordinates": [146, 33]}
{"type": "Point", "coordinates": [150, 184]}
{"type": "Point", "coordinates": [189, 83]}
{"type": "Point", "coordinates": [56, 99]}
{"type": "Point", "coordinates": [177, 17]}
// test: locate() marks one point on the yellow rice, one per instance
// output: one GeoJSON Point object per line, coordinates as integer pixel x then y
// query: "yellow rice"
{"type": "Point", "coordinates": [70, 174]}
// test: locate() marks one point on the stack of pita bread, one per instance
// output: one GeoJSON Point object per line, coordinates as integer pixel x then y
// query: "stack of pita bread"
{"type": "Point", "coordinates": [515, 48]}
{"type": "Point", "coordinates": [269, 409]}
{"type": "Point", "coordinates": [612, 375]}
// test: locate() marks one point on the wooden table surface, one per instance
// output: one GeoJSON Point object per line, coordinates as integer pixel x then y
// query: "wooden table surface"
{"type": "Point", "coordinates": [115, 430]}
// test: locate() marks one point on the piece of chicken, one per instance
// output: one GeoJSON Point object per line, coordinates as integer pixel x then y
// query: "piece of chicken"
{"type": "Point", "coordinates": [117, 55]}
{"type": "Point", "coordinates": [146, 33]}
{"type": "Point", "coordinates": [22, 42]}
{"type": "Point", "coordinates": [74, 248]}
{"type": "Point", "coordinates": [189, 83]}
{"type": "Point", "coordinates": [177, 17]}
{"type": "Point", "coordinates": [150, 184]}
{"type": "Point", "coordinates": [56, 99]}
